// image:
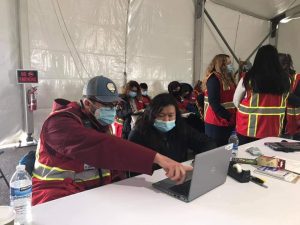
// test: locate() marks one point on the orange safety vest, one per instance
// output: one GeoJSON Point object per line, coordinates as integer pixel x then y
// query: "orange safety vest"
{"type": "Point", "coordinates": [293, 113]}
{"type": "Point", "coordinates": [226, 100]}
{"type": "Point", "coordinates": [261, 115]}
{"type": "Point", "coordinates": [56, 167]}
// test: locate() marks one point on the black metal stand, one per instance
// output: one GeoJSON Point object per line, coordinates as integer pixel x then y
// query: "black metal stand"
{"type": "Point", "coordinates": [2, 174]}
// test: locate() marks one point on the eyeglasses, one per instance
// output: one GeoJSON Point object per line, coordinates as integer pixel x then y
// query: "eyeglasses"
{"type": "Point", "coordinates": [110, 104]}
{"type": "Point", "coordinates": [105, 104]}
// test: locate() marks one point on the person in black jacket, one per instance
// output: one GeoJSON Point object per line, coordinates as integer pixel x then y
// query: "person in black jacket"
{"type": "Point", "coordinates": [131, 106]}
{"type": "Point", "coordinates": [162, 129]}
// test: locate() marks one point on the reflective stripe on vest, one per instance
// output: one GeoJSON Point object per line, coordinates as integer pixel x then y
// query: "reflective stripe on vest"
{"type": "Point", "coordinates": [293, 111]}
{"type": "Point", "coordinates": [254, 110]}
{"type": "Point", "coordinates": [44, 172]}
{"type": "Point", "coordinates": [226, 105]}
{"type": "Point", "coordinates": [119, 121]}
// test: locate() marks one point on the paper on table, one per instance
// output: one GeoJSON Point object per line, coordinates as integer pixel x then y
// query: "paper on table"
{"type": "Point", "coordinates": [277, 173]}
{"type": "Point", "coordinates": [186, 115]}
{"type": "Point", "coordinates": [291, 165]}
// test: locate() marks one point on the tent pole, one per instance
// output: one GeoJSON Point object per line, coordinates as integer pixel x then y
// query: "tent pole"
{"type": "Point", "coordinates": [198, 40]}
{"type": "Point", "coordinates": [259, 45]}
{"type": "Point", "coordinates": [23, 33]}
{"type": "Point", "coordinates": [274, 28]}
{"type": "Point", "coordinates": [221, 35]}
{"type": "Point", "coordinates": [126, 41]}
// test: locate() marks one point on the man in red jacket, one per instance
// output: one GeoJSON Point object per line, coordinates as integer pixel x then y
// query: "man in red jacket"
{"type": "Point", "coordinates": [77, 152]}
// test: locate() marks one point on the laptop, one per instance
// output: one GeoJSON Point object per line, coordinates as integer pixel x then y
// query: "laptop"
{"type": "Point", "coordinates": [284, 146]}
{"type": "Point", "coordinates": [210, 171]}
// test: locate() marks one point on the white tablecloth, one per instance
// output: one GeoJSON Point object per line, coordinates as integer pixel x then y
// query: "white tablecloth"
{"type": "Point", "coordinates": [135, 202]}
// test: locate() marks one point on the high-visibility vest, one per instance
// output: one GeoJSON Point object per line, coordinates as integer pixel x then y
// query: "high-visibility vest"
{"type": "Point", "coordinates": [226, 100]}
{"type": "Point", "coordinates": [293, 113]}
{"type": "Point", "coordinates": [261, 115]}
{"type": "Point", "coordinates": [49, 167]}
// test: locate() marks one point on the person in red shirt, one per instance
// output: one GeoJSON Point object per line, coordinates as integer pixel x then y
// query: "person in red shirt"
{"type": "Point", "coordinates": [261, 97]}
{"type": "Point", "coordinates": [145, 97]}
{"type": "Point", "coordinates": [292, 117]}
{"type": "Point", "coordinates": [219, 87]}
{"type": "Point", "coordinates": [77, 152]}
{"type": "Point", "coordinates": [129, 109]}
{"type": "Point", "coordinates": [174, 89]}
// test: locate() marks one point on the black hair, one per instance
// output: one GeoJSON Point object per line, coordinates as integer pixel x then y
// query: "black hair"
{"type": "Point", "coordinates": [266, 75]}
{"type": "Point", "coordinates": [185, 87]}
{"type": "Point", "coordinates": [131, 84]}
{"type": "Point", "coordinates": [144, 86]}
{"type": "Point", "coordinates": [146, 121]}
{"type": "Point", "coordinates": [173, 85]}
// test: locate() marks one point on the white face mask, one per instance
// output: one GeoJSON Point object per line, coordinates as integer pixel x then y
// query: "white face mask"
{"type": "Point", "coordinates": [144, 93]}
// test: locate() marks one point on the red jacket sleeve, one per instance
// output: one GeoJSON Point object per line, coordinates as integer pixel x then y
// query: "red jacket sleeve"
{"type": "Point", "coordinates": [69, 137]}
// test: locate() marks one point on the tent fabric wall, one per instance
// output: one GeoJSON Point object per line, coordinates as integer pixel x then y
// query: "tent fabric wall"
{"type": "Point", "coordinates": [160, 42]}
{"type": "Point", "coordinates": [152, 40]}
{"type": "Point", "coordinates": [242, 32]}
{"type": "Point", "coordinates": [73, 40]}
{"type": "Point", "coordinates": [289, 41]}
{"type": "Point", "coordinates": [10, 92]}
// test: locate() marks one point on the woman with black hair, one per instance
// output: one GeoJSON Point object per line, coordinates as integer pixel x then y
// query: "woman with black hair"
{"type": "Point", "coordinates": [261, 97]}
{"type": "Point", "coordinates": [162, 129]}
{"type": "Point", "coordinates": [127, 110]}
{"type": "Point", "coordinates": [175, 90]}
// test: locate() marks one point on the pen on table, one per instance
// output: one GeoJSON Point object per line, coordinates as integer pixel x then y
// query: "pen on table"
{"type": "Point", "coordinates": [258, 181]}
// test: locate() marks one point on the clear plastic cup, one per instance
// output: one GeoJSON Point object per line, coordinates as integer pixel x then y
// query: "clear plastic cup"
{"type": "Point", "coordinates": [7, 215]}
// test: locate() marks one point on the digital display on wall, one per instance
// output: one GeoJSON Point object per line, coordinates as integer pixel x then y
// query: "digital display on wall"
{"type": "Point", "coordinates": [27, 76]}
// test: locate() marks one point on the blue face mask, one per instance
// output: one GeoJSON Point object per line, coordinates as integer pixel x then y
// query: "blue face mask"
{"type": "Point", "coordinates": [230, 68]}
{"type": "Point", "coordinates": [164, 126]}
{"type": "Point", "coordinates": [105, 115]}
{"type": "Point", "coordinates": [144, 93]}
{"type": "Point", "coordinates": [132, 94]}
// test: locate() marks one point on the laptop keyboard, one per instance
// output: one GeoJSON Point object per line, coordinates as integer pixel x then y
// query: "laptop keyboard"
{"type": "Point", "coordinates": [183, 188]}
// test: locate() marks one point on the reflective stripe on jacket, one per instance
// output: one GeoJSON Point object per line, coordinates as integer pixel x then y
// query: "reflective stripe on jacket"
{"type": "Point", "coordinates": [261, 115]}
{"type": "Point", "coordinates": [62, 167]}
{"type": "Point", "coordinates": [226, 100]}
{"type": "Point", "coordinates": [293, 113]}
{"type": "Point", "coordinates": [44, 172]}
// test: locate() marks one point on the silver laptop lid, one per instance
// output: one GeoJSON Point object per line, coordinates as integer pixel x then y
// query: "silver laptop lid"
{"type": "Point", "coordinates": [210, 170]}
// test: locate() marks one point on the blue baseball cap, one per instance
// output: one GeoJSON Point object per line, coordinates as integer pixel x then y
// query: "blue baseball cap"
{"type": "Point", "coordinates": [102, 89]}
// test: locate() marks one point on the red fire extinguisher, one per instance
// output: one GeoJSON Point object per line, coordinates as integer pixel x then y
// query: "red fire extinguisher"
{"type": "Point", "coordinates": [31, 96]}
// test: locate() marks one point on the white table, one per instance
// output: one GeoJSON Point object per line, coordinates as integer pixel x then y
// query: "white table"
{"type": "Point", "coordinates": [134, 201]}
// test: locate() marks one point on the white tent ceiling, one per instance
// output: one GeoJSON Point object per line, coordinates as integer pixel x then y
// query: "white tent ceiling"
{"type": "Point", "coordinates": [263, 9]}
{"type": "Point", "coordinates": [72, 40]}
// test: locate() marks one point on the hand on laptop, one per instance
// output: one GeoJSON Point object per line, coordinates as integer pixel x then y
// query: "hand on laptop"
{"type": "Point", "coordinates": [174, 170]}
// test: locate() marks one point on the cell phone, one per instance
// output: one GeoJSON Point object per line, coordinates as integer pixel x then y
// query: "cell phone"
{"type": "Point", "coordinates": [255, 151]}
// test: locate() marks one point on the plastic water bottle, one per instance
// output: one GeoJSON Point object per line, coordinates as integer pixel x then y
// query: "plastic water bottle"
{"type": "Point", "coordinates": [233, 139]}
{"type": "Point", "coordinates": [20, 195]}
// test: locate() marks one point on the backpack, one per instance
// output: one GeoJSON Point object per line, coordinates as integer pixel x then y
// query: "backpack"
{"type": "Point", "coordinates": [28, 160]}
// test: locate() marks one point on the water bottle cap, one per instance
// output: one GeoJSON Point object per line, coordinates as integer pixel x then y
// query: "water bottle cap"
{"type": "Point", "coordinates": [20, 167]}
